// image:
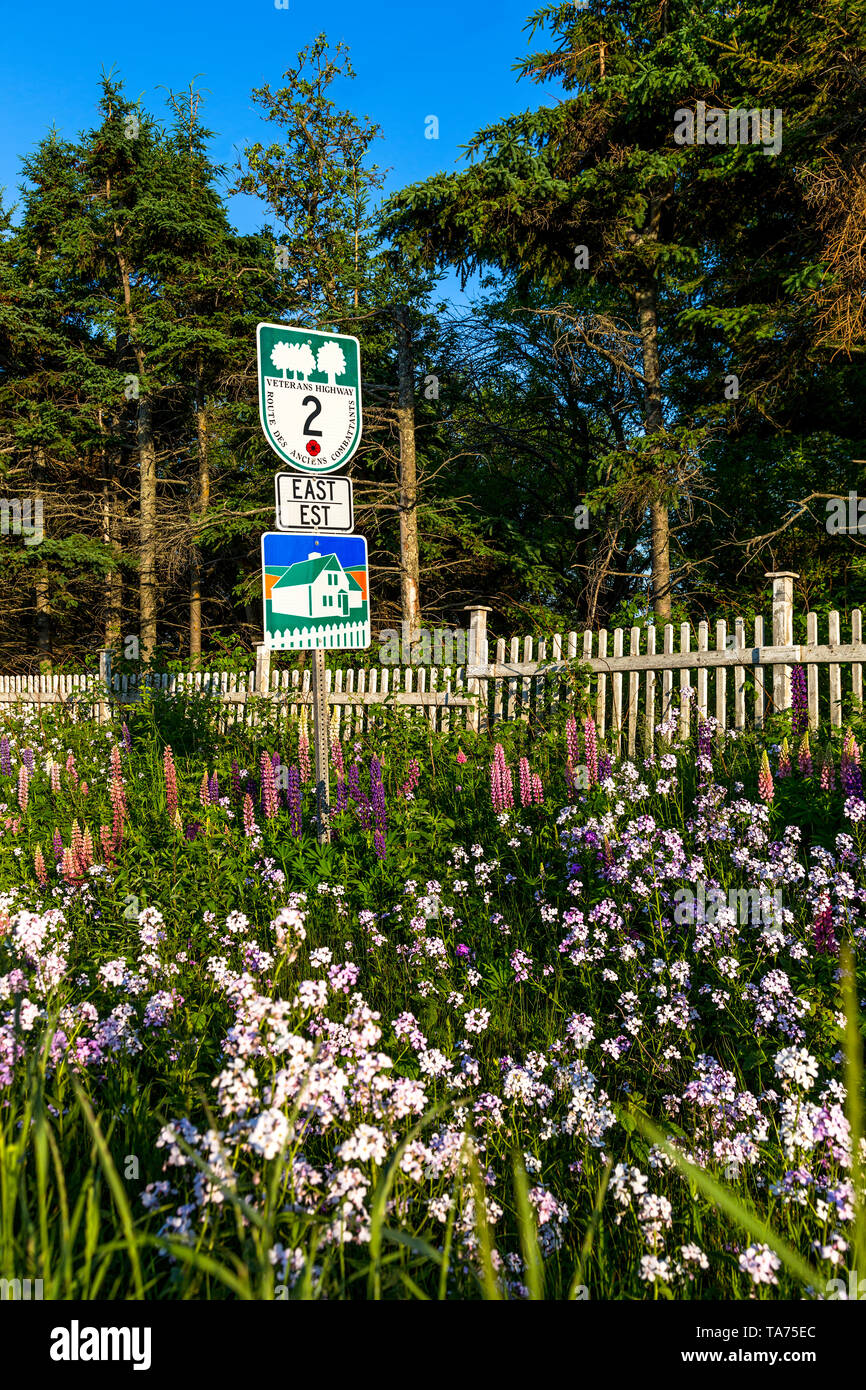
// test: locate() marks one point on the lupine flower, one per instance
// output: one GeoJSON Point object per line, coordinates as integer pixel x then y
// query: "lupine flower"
{"type": "Point", "coordinates": [804, 758]}
{"type": "Point", "coordinates": [5, 757]}
{"type": "Point", "coordinates": [799, 701]}
{"type": "Point", "coordinates": [408, 787]}
{"type": "Point", "coordinates": [825, 937]}
{"type": "Point", "coordinates": [525, 777]}
{"type": "Point", "coordinates": [127, 741]}
{"type": "Point", "coordinates": [501, 782]}
{"type": "Point", "coordinates": [605, 767]}
{"type": "Point", "coordinates": [379, 842]}
{"type": "Point", "coordinates": [204, 790]}
{"type": "Point", "coordinates": [304, 757]}
{"type": "Point", "coordinates": [236, 781]}
{"type": "Point", "coordinates": [77, 842]}
{"type": "Point", "coordinates": [461, 756]}
{"type": "Point", "coordinates": [852, 779]}
{"type": "Point", "coordinates": [105, 841]}
{"type": "Point", "coordinates": [294, 798]}
{"type": "Point", "coordinates": [379, 808]}
{"type": "Point", "coordinates": [249, 815]}
{"type": "Point", "coordinates": [354, 784]}
{"type": "Point", "coordinates": [23, 785]}
{"type": "Point", "coordinates": [70, 770]}
{"type": "Point", "coordinates": [55, 779]}
{"type": "Point", "coordinates": [69, 868]}
{"type": "Point", "coordinates": [269, 787]}
{"type": "Point", "coordinates": [590, 748]}
{"type": "Point", "coordinates": [337, 755]}
{"type": "Point", "coordinates": [85, 854]}
{"type": "Point", "coordinates": [84, 789]}
{"type": "Point", "coordinates": [828, 771]}
{"type": "Point", "coordinates": [39, 866]}
{"type": "Point", "coordinates": [342, 796]}
{"type": "Point", "coordinates": [537, 790]}
{"type": "Point", "coordinates": [375, 773]}
{"type": "Point", "coordinates": [57, 845]}
{"type": "Point", "coordinates": [28, 759]}
{"type": "Point", "coordinates": [170, 781]}
{"type": "Point", "coordinates": [765, 779]}
{"type": "Point", "coordinates": [213, 789]}
{"type": "Point", "coordinates": [192, 830]}
{"type": "Point", "coordinates": [784, 768]}
{"type": "Point", "coordinates": [116, 770]}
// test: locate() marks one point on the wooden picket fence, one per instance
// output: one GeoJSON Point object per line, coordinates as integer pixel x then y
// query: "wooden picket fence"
{"type": "Point", "coordinates": [656, 684]}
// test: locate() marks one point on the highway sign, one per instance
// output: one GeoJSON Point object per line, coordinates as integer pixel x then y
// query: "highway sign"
{"type": "Point", "coordinates": [309, 396]}
{"type": "Point", "coordinates": [316, 591]}
{"type": "Point", "coordinates": [312, 504]}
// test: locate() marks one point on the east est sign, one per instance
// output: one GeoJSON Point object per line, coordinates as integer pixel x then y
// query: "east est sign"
{"type": "Point", "coordinates": [312, 504]}
{"type": "Point", "coordinates": [309, 396]}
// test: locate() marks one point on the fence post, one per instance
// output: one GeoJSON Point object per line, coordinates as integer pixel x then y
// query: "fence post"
{"type": "Point", "coordinates": [783, 632]}
{"type": "Point", "coordinates": [477, 661]}
{"type": "Point", "coordinates": [263, 670]}
{"type": "Point", "coordinates": [105, 681]}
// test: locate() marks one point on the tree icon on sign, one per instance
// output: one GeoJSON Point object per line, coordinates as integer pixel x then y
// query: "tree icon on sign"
{"type": "Point", "coordinates": [331, 361]}
{"type": "Point", "coordinates": [296, 358]}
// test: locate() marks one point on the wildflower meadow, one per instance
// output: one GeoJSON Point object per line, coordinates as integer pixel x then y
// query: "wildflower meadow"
{"type": "Point", "coordinates": [539, 1022]}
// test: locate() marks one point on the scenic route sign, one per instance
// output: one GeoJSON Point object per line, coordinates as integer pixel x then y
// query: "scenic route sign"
{"type": "Point", "coordinates": [309, 396]}
{"type": "Point", "coordinates": [311, 504]}
{"type": "Point", "coordinates": [316, 591]}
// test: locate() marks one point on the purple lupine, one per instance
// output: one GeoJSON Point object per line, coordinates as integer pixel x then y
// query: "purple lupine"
{"type": "Point", "coordinates": [590, 747]}
{"type": "Point", "coordinates": [375, 772]}
{"type": "Point", "coordinates": [213, 789]}
{"type": "Point", "coordinates": [379, 842]}
{"type": "Point", "coordinates": [825, 938]}
{"type": "Point", "coordinates": [28, 759]}
{"type": "Point", "coordinates": [526, 778]}
{"type": "Point", "coordinates": [5, 757]}
{"type": "Point", "coordinates": [852, 779]}
{"type": "Point", "coordinates": [236, 780]}
{"type": "Point", "coordinates": [705, 739]}
{"type": "Point", "coordinates": [365, 809]}
{"type": "Point", "coordinates": [799, 701]}
{"type": "Point", "coordinates": [342, 795]}
{"type": "Point", "coordinates": [379, 808]}
{"type": "Point", "coordinates": [269, 787]}
{"type": "Point", "coordinates": [126, 737]}
{"type": "Point", "coordinates": [605, 767]}
{"type": "Point", "coordinates": [193, 830]}
{"type": "Point", "coordinates": [355, 782]}
{"type": "Point", "coordinates": [294, 795]}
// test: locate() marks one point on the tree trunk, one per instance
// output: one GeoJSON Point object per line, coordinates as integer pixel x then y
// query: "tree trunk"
{"type": "Point", "coordinates": [409, 562]}
{"type": "Point", "coordinates": [202, 502]}
{"type": "Point", "coordinates": [43, 601]}
{"type": "Point", "coordinates": [147, 590]}
{"type": "Point", "coordinates": [645, 298]}
{"type": "Point", "coordinates": [114, 577]}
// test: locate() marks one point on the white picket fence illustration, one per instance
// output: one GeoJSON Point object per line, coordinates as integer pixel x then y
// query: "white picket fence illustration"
{"type": "Point", "coordinates": [632, 692]}
{"type": "Point", "coordinates": [335, 634]}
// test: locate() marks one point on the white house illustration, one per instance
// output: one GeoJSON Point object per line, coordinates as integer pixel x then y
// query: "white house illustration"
{"type": "Point", "coordinates": [317, 587]}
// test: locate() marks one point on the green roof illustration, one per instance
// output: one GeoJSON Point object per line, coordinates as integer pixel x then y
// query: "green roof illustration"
{"type": "Point", "coordinates": [306, 571]}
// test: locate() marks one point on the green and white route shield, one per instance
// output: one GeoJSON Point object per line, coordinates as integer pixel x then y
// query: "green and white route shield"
{"type": "Point", "coordinates": [309, 396]}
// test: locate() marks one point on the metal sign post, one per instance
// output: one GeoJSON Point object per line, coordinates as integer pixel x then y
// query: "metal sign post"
{"type": "Point", "coordinates": [320, 741]}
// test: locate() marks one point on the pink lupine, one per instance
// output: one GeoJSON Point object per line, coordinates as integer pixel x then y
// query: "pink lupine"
{"type": "Point", "coordinates": [537, 790]}
{"type": "Point", "coordinates": [39, 866]}
{"type": "Point", "coordinates": [784, 768]}
{"type": "Point", "coordinates": [501, 783]}
{"type": "Point", "coordinates": [590, 746]}
{"type": "Point", "coordinates": [304, 758]}
{"type": "Point", "coordinates": [55, 779]}
{"type": "Point", "coordinates": [170, 781]}
{"type": "Point", "coordinates": [204, 790]}
{"type": "Point", "coordinates": [105, 841]}
{"type": "Point", "coordinates": [526, 781]}
{"type": "Point", "coordinates": [337, 755]}
{"type": "Point", "coordinates": [85, 857]}
{"type": "Point", "coordinates": [828, 772]}
{"type": "Point", "coordinates": [117, 797]}
{"type": "Point", "coordinates": [804, 758]}
{"type": "Point", "coordinates": [461, 756]}
{"type": "Point", "coordinates": [269, 787]}
{"type": "Point", "coordinates": [23, 787]}
{"type": "Point", "coordinates": [70, 770]}
{"type": "Point", "coordinates": [69, 868]}
{"type": "Point", "coordinates": [84, 789]}
{"type": "Point", "coordinates": [249, 815]}
{"type": "Point", "coordinates": [765, 780]}
{"type": "Point", "coordinates": [115, 761]}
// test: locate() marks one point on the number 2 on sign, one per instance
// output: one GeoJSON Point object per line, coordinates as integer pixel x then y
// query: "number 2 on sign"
{"type": "Point", "coordinates": [313, 415]}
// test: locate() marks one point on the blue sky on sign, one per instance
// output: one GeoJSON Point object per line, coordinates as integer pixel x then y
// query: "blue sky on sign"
{"type": "Point", "coordinates": [281, 549]}
{"type": "Point", "coordinates": [449, 59]}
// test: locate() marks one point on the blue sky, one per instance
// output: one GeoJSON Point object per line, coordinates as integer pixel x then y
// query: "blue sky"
{"type": "Point", "coordinates": [451, 59]}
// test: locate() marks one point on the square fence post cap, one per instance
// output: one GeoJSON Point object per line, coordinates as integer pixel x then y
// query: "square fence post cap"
{"type": "Point", "coordinates": [477, 608]}
{"type": "Point", "coordinates": [781, 574]}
